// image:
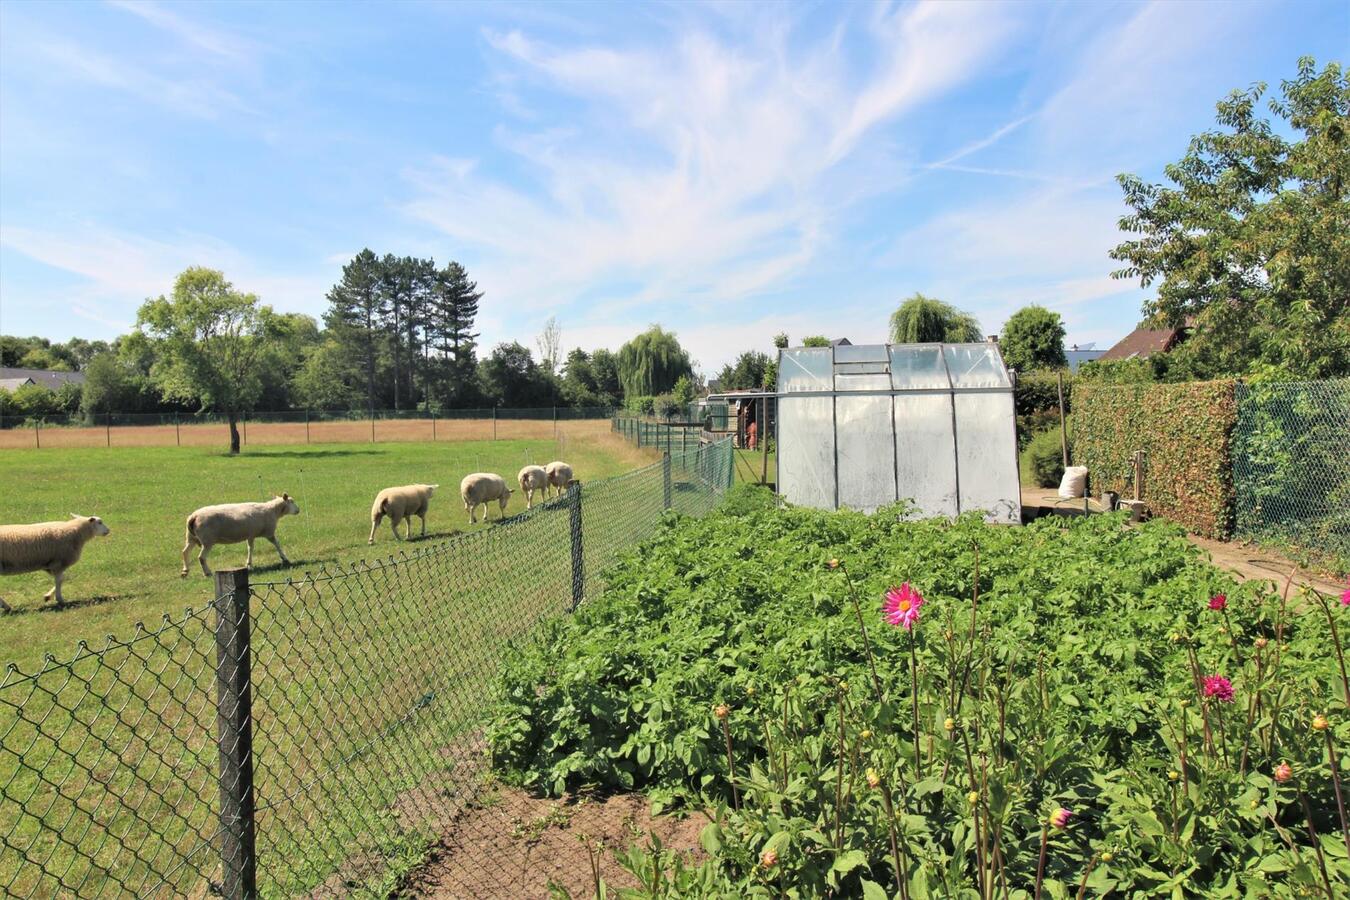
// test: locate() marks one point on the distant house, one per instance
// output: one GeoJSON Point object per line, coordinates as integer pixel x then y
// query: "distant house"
{"type": "Point", "coordinates": [841, 342]}
{"type": "Point", "coordinates": [13, 379]}
{"type": "Point", "coordinates": [1144, 342]}
{"type": "Point", "coordinates": [1082, 353]}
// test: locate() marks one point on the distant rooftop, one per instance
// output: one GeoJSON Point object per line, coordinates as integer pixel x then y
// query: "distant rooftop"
{"type": "Point", "coordinates": [13, 379]}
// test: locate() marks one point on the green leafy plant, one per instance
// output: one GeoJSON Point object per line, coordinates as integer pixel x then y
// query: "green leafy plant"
{"type": "Point", "coordinates": [733, 666]}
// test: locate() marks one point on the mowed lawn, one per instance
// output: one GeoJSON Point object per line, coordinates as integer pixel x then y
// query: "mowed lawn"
{"type": "Point", "coordinates": [145, 494]}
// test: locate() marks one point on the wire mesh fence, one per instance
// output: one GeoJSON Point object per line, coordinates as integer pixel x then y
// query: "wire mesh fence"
{"type": "Point", "coordinates": [1291, 470]}
{"type": "Point", "coordinates": [669, 437]}
{"type": "Point", "coordinates": [304, 736]}
{"type": "Point", "coordinates": [302, 426]}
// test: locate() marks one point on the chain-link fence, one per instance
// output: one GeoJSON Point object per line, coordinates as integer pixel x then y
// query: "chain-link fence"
{"type": "Point", "coordinates": [304, 736]}
{"type": "Point", "coordinates": [301, 426]}
{"type": "Point", "coordinates": [668, 437]}
{"type": "Point", "coordinates": [1291, 467]}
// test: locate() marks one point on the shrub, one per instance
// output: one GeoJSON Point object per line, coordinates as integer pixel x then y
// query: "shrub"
{"type": "Point", "coordinates": [1043, 459]}
{"type": "Point", "coordinates": [1186, 430]}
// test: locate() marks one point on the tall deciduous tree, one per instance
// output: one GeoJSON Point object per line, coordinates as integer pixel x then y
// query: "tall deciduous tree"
{"type": "Point", "coordinates": [1033, 338]}
{"type": "Point", "coordinates": [549, 343]}
{"type": "Point", "coordinates": [922, 320]}
{"type": "Point", "coordinates": [357, 306]}
{"type": "Point", "coordinates": [1251, 246]}
{"type": "Point", "coordinates": [652, 362]}
{"type": "Point", "coordinates": [209, 340]}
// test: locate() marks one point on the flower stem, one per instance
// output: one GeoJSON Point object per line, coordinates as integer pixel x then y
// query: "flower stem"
{"type": "Point", "coordinates": [1317, 845]}
{"type": "Point", "coordinates": [862, 625]}
{"type": "Point", "coordinates": [839, 780]}
{"type": "Point", "coordinates": [900, 868]}
{"type": "Point", "coordinates": [1335, 642]}
{"type": "Point", "coordinates": [731, 767]}
{"type": "Point", "coordinates": [914, 694]}
{"type": "Point", "coordinates": [1082, 885]}
{"type": "Point", "coordinates": [1040, 866]}
{"type": "Point", "coordinates": [1336, 782]}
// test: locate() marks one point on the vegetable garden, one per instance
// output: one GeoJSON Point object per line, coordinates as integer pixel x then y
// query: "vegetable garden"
{"type": "Point", "coordinates": [867, 706]}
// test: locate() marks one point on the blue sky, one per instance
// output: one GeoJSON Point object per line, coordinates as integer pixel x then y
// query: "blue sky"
{"type": "Point", "coordinates": [728, 170]}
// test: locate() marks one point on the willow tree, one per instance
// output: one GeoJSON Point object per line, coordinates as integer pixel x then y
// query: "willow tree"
{"type": "Point", "coordinates": [924, 320]}
{"type": "Point", "coordinates": [652, 362]}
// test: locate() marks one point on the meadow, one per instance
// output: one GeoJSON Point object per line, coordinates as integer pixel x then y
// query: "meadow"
{"type": "Point", "coordinates": [144, 494]}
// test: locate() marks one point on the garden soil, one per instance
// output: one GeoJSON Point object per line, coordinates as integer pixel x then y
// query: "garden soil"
{"type": "Point", "coordinates": [513, 845]}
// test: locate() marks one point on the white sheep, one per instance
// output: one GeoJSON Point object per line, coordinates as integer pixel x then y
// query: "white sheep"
{"type": "Point", "coordinates": [46, 547]}
{"type": "Point", "coordinates": [483, 487]}
{"type": "Point", "coordinates": [533, 478]}
{"type": "Point", "coordinates": [559, 476]}
{"type": "Point", "coordinates": [400, 503]}
{"type": "Point", "coordinates": [231, 523]}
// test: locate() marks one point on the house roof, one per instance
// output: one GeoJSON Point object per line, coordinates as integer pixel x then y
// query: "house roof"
{"type": "Point", "coordinates": [13, 384]}
{"type": "Point", "coordinates": [48, 379]}
{"type": "Point", "coordinates": [1144, 342]}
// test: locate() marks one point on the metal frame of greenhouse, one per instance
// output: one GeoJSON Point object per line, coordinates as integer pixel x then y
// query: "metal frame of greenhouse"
{"type": "Point", "coordinates": [862, 426]}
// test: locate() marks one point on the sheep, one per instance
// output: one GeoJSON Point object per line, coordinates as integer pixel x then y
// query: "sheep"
{"type": "Point", "coordinates": [400, 503]}
{"type": "Point", "coordinates": [231, 523]}
{"type": "Point", "coordinates": [533, 478]}
{"type": "Point", "coordinates": [483, 487]}
{"type": "Point", "coordinates": [46, 547]}
{"type": "Point", "coordinates": [559, 476]}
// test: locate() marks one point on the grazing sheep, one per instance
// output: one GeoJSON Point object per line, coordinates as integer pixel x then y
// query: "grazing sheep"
{"type": "Point", "coordinates": [399, 503]}
{"type": "Point", "coordinates": [559, 476]}
{"type": "Point", "coordinates": [483, 487]}
{"type": "Point", "coordinates": [533, 478]}
{"type": "Point", "coordinates": [46, 547]}
{"type": "Point", "coordinates": [231, 523]}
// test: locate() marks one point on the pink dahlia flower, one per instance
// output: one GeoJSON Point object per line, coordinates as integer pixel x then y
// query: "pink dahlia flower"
{"type": "Point", "coordinates": [902, 606]}
{"type": "Point", "coordinates": [1345, 594]}
{"type": "Point", "coordinates": [1060, 817]}
{"type": "Point", "coordinates": [1219, 688]}
{"type": "Point", "coordinates": [1218, 601]}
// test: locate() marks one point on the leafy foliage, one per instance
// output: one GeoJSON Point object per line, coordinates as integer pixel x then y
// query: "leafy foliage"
{"type": "Point", "coordinates": [1043, 459]}
{"type": "Point", "coordinates": [1252, 243]}
{"type": "Point", "coordinates": [922, 319]}
{"type": "Point", "coordinates": [1033, 338]}
{"type": "Point", "coordinates": [652, 362]}
{"type": "Point", "coordinates": [1186, 430]}
{"type": "Point", "coordinates": [1070, 683]}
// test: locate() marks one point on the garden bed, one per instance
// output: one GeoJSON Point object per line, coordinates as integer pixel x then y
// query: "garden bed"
{"type": "Point", "coordinates": [1078, 708]}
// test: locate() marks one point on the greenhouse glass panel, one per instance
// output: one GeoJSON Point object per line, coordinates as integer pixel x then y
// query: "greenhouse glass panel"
{"type": "Point", "coordinates": [866, 450]}
{"type": "Point", "coordinates": [805, 369]}
{"type": "Point", "coordinates": [918, 366]}
{"type": "Point", "coordinates": [986, 456]}
{"type": "Point", "coordinates": [925, 452]}
{"type": "Point", "coordinates": [976, 366]}
{"type": "Point", "coordinates": [806, 460]}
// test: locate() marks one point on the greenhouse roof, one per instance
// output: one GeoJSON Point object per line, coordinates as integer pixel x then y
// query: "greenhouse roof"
{"type": "Point", "coordinates": [892, 368]}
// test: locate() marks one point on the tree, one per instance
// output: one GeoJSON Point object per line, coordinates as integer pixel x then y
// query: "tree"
{"type": "Point", "coordinates": [1251, 244]}
{"type": "Point", "coordinates": [815, 340]}
{"type": "Point", "coordinates": [109, 386]}
{"type": "Point", "coordinates": [924, 320]}
{"type": "Point", "coordinates": [747, 373]}
{"type": "Point", "coordinates": [357, 304]}
{"type": "Point", "coordinates": [549, 343]}
{"type": "Point", "coordinates": [328, 377]}
{"type": "Point", "coordinates": [652, 362]}
{"type": "Point", "coordinates": [452, 307]}
{"type": "Point", "coordinates": [781, 341]}
{"type": "Point", "coordinates": [510, 377]}
{"type": "Point", "coordinates": [1033, 338]}
{"type": "Point", "coordinates": [209, 340]}
{"type": "Point", "coordinates": [608, 385]}
{"type": "Point", "coordinates": [683, 392]}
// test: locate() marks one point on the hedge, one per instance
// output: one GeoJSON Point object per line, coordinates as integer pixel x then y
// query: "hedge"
{"type": "Point", "coordinates": [1186, 430]}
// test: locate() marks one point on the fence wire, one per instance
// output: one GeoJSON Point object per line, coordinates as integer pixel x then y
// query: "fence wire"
{"type": "Point", "coordinates": [356, 698]}
{"type": "Point", "coordinates": [1291, 469]}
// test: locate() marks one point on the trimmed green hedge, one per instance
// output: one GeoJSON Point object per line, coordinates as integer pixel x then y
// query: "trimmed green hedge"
{"type": "Point", "coordinates": [1186, 430]}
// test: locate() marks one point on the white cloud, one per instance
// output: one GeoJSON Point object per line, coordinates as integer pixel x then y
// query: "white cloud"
{"type": "Point", "coordinates": [700, 170]}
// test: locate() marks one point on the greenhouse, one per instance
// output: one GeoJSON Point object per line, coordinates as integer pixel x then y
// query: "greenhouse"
{"type": "Point", "coordinates": [866, 425]}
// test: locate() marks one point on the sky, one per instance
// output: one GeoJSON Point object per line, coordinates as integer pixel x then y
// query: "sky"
{"type": "Point", "coordinates": [727, 170]}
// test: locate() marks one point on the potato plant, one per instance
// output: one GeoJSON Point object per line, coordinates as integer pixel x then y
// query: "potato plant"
{"type": "Point", "coordinates": [870, 706]}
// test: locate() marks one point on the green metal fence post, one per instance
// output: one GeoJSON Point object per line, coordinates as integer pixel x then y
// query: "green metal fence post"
{"type": "Point", "coordinates": [665, 480]}
{"type": "Point", "coordinates": [234, 736]}
{"type": "Point", "coordinates": [578, 546]}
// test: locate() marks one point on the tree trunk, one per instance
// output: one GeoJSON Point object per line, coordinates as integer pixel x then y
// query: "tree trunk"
{"type": "Point", "coordinates": [234, 433]}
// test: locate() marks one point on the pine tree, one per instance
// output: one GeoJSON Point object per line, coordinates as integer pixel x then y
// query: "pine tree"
{"type": "Point", "coordinates": [356, 309]}
{"type": "Point", "coordinates": [451, 310]}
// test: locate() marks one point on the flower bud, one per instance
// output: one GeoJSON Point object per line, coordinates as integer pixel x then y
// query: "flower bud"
{"type": "Point", "coordinates": [1060, 817]}
{"type": "Point", "coordinates": [833, 564]}
{"type": "Point", "coordinates": [1284, 772]}
{"type": "Point", "coordinates": [1320, 723]}
{"type": "Point", "coordinates": [1108, 856]}
{"type": "Point", "coordinates": [1260, 643]}
{"type": "Point", "coordinates": [1255, 803]}
{"type": "Point", "coordinates": [750, 690]}
{"type": "Point", "coordinates": [973, 797]}
{"type": "Point", "coordinates": [721, 710]}
{"type": "Point", "coordinates": [865, 733]}
{"type": "Point", "coordinates": [949, 724]}
{"type": "Point", "coordinates": [769, 858]}
{"type": "Point", "coordinates": [1173, 775]}
{"type": "Point", "coordinates": [1184, 703]}
{"type": "Point", "coordinates": [873, 778]}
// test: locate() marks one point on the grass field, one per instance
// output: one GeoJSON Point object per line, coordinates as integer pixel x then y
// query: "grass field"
{"type": "Point", "coordinates": [144, 494]}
